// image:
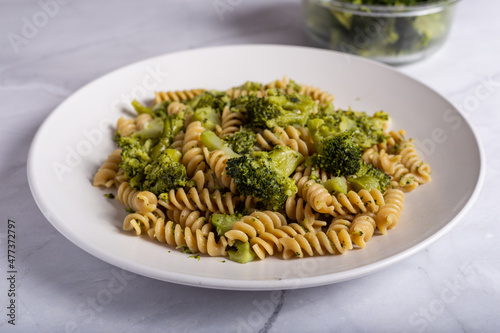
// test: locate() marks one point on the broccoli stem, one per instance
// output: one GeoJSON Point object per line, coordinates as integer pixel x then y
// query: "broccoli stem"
{"type": "Point", "coordinates": [336, 185]}
{"type": "Point", "coordinates": [213, 142]}
{"type": "Point", "coordinates": [140, 109]}
{"type": "Point", "coordinates": [242, 254]}
{"type": "Point", "coordinates": [285, 160]}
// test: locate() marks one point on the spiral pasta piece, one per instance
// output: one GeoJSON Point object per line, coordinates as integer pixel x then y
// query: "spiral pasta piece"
{"type": "Point", "coordinates": [411, 160]}
{"type": "Point", "coordinates": [278, 84]}
{"type": "Point", "coordinates": [311, 172]}
{"type": "Point", "coordinates": [316, 94]}
{"type": "Point", "coordinates": [217, 161]}
{"type": "Point", "coordinates": [192, 152]}
{"type": "Point", "coordinates": [401, 177]}
{"type": "Point", "coordinates": [381, 159]}
{"type": "Point", "coordinates": [175, 107]}
{"type": "Point", "coordinates": [254, 224]}
{"type": "Point", "coordinates": [316, 195]}
{"type": "Point", "coordinates": [177, 96]}
{"type": "Point", "coordinates": [320, 242]}
{"type": "Point", "coordinates": [289, 136]}
{"type": "Point", "coordinates": [264, 244]}
{"type": "Point", "coordinates": [125, 127]}
{"type": "Point", "coordinates": [231, 122]}
{"type": "Point", "coordinates": [195, 242]}
{"type": "Point", "coordinates": [178, 141]}
{"type": "Point", "coordinates": [206, 180]}
{"type": "Point", "coordinates": [106, 174]}
{"type": "Point", "coordinates": [120, 177]}
{"type": "Point", "coordinates": [238, 92]}
{"type": "Point", "coordinates": [299, 210]}
{"type": "Point", "coordinates": [139, 222]}
{"type": "Point", "coordinates": [388, 215]}
{"type": "Point", "coordinates": [362, 201]}
{"type": "Point", "coordinates": [192, 219]}
{"type": "Point", "coordinates": [139, 201]}
{"type": "Point", "coordinates": [142, 120]}
{"type": "Point", "coordinates": [362, 229]}
{"type": "Point", "coordinates": [215, 202]}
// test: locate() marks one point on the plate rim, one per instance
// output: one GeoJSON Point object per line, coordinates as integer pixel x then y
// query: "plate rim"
{"type": "Point", "coordinates": [248, 284]}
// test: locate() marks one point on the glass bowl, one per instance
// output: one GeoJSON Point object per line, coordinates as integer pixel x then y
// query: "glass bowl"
{"type": "Point", "coordinates": [391, 34]}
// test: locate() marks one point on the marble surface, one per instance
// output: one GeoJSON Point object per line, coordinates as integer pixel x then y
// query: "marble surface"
{"type": "Point", "coordinates": [452, 286]}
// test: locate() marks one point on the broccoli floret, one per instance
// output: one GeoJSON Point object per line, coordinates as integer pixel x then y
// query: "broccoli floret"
{"type": "Point", "coordinates": [208, 116]}
{"type": "Point", "coordinates": [152, 130]}
{"type": "Point", "coordinates": [241, 252]}
{"type": "Point", "coordinates": [147, 159]}
{"type": "Point", "coordinates": [369, 177]}
{"type": "Point", "coordinates": [250, 86]}
{"type": "Point", "coordinates": [135, 157]}
{"type": "Point", "coordinates": [367, 130]}
{"type": "Point", "coordinates": [265, 175]}
{"type": "Point", "coordinates": [242, 142]}
{"type": "Point", "coordinates": [159, 174]}
{"type": "Point", "coordinates": [293, 85]}
{"type": "Point", "coordinates": [224, 222]}
{"type": "Point", "coordinates": [217, 100]}
{"type": "Point", "coordinates": [165, 173]}
{"type": "Point", "coordinates": [277, 108]}
{"type": "Point", "coordinates": [339, 155]}
{"type": "Point", "coordinates": [213, 142]}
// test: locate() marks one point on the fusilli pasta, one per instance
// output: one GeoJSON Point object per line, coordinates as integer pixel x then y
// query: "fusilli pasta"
{"type": "Point", "coordinates": [323, 211]}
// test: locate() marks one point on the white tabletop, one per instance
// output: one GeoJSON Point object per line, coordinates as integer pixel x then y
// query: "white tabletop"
{"type": "Point", "coordinates": [452, 286]}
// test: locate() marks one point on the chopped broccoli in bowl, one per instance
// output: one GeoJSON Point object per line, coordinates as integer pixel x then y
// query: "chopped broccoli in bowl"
{"type": "Point", "coordinates": [392, 31]}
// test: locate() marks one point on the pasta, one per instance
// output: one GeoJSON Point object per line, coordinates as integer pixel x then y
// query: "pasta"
{"type": "Point", "coordinates": [176, 96]}
{"type": "Point", "coordinates": [106, 174]}
{"type": "Point", "coordinates": [290, 136]}
{"type": "Point", "coordinates": [179, 185]}
{"type": "Point", "coordinates": [140, 201]}
{"type": "Point", "coordinates": [204, 200]}
{"type": "Point", "coordinates": [231, 122]}
{"type": "Point", "coordinates": [195, 242]}
{"type": "Point", "coordinates": [192, 153]}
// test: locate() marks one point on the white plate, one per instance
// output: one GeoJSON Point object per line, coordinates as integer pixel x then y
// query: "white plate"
{"type": "Point", "coordinates": [77, 137]}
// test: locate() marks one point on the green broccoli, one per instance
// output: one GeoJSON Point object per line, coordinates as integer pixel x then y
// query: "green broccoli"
{"type": "Point", "coordinates": [367, 131]}
{"type": "Point", "coordinates": [241, 142]}
{"type": "Point", "coordinates": [224, 222]}
{"type": "Point", "coordinates": [250, 86]}
{"type": "Point", "coordinates": [241, 252]}
{"type": "Point", "coordinates": [336, 185]}
{"type": "Point", "coordinates": [152, 130]}
{"type": "Point", "coordinates": [135, 157]}
{"type": "Point", "coordinates": [140, 108]}
{"type": "Point", "coordinates": [265, 175]}
{"type": "Point", "coordinates": [369, 177]}
{"type": "Point", "coordinates": [208, 116]}
{"type": "Point", "coordinates": [165, 173]}
{"type": "Point", "coordinates": [339, 154]}
{"type": "Point", "coordinates": [213, 142]}
{"type": "Point", "coordinates": [147, 159]}
{"type": "Point", "coordinates": [171, 126]}
{"type": "Point", "coordinates": [277, 108]}
{"type": "Point", "coordinates": [217, 100]}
